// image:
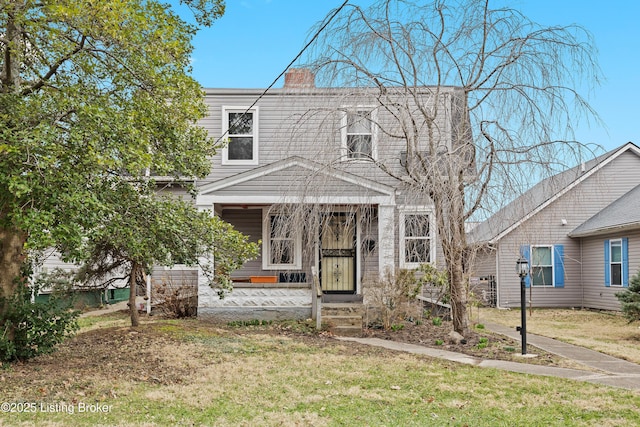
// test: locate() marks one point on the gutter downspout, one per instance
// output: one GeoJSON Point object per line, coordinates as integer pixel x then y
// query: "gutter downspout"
{"type": "Point", "coordinates": [581, 274]}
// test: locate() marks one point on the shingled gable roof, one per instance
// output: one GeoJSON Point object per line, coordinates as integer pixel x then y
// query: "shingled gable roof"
{"type": "Point", "coordinates": [295, 161]}
{"type": "Point", "coordinates": [622, 214]}
{"type": "Point", "coordinates": [539, 196]}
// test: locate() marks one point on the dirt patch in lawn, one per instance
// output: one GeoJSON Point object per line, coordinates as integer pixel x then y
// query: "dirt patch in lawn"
{"type": "Point", "coordinates": [479, 343]}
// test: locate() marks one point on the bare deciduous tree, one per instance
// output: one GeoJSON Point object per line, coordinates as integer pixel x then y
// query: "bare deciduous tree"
{"type": "Point", "coordinates": [482, 100]}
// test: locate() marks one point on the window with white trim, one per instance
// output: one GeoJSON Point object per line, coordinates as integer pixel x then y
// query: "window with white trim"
{"type": "Point", "coordinates": [417, 243]}
{"type": "Point", "coordinates": [615, 262]}
{"type": "Point", "coordinates": [542, 265]}
{"type": "Point", "coordinates": [240, 127]}
{"type": "Point", "coordinates": [281, 243]}
{"type": "Point", "coordinates": [358, 134]}
{"type": "Point", "coordinates": [546, 265]}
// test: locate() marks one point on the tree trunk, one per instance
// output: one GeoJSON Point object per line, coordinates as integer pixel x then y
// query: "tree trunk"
{"type": "Point", "coordinates": [136, 270]}
{"type": "Point", "coordinates": [11, 260]}
{"type": "Point", "coordinates": [458, 286]}
{"type": "Point", "coordinates": [12, 257]}
{"type": "Point", "coordinates": [449, 205]}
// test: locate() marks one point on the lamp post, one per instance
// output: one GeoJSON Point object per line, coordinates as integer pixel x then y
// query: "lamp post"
{"type": "Point", "coordinates": [522, 268]}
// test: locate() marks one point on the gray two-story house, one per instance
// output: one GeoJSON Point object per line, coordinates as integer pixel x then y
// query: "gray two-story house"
{"type": "Point", "coordinates": [316, 176]}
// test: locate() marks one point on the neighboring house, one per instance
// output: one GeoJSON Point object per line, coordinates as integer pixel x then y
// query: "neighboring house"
{"type": "Point", "coordinates": [116, 290]}
{"type": "Point", "coordinates": [301, 174]}
{"type": "Point", "coordinates": [86, 296]}
{"type": "Point", "coordinates": [579, 230]}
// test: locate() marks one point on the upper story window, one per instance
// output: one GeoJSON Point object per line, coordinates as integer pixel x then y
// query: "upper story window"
{"type": "Point", "coordinates": [240, 125]}
{"type": "Point", "coordinates": [417, 243]}
{"type": "Point", "coordinates": [358, 134]}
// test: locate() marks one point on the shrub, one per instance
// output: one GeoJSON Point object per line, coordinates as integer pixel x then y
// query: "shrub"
{"type": "Point", "coordinates": [630, 299]}
{"type": "Point", "coordinates": [28, 329]}
{"type": "Point", "coordinates": [393, 296]}
{"type": "Point", "coordinates": [175, 300]}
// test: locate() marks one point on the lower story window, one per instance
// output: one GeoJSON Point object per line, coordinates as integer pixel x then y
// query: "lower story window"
{"type": "Point", "coordinates": [416, 240]}
{"type": "Point", "coordinates": [546, 265]}
{"type": "Point", "coordinates": [616, 255]}
{"type": "Point", "coordinates": [281, 243]}
{"type": "Point", "coordinates": [541, 266]}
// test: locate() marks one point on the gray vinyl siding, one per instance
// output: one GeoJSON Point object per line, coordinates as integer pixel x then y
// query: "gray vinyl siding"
{"type": "Point", "coordinates": [369, 258]}
{"type": "Point", "coordinates": [249, 223]}
{"type": "Point", "coordinates": [174, 276]}
{"type": "Point", "coordinates": [545, 228]}
{"type": "Point", "coordinates": [306, 125]}
{"type": "Point", "coordinates": [596, 294]}
{"type": "Point", "coordinates": [484, 267]}
{"type": "Point", "coordinates": [51, 261]}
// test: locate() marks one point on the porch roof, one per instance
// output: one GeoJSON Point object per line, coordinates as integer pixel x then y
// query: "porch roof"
{"type": "Point", "coordinates": [622, 214]}
{"type": "Point", "coordinates": [296, 180]}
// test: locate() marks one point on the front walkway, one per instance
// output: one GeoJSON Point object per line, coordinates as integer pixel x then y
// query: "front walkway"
{"type": "Point", "coordinates": [612, 371]}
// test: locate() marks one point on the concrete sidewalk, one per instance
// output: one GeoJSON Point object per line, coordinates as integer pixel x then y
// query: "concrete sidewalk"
{"type": "Point", "coordinates": [612, 371]}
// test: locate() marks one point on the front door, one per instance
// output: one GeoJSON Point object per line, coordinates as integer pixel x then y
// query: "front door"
{"type": "Point", "coordinates": [337, 253]}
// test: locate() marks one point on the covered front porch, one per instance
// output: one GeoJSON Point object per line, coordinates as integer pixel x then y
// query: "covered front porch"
{"type": "Point", "coordinates": [324, 246]}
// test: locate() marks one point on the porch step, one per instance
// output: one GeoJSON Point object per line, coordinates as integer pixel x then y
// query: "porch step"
{"type": "Point", "coordinates": [343, 319]}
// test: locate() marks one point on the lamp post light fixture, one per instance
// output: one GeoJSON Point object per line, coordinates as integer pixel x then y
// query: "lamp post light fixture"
{"type": "Point", "coordinates": [522, 268]}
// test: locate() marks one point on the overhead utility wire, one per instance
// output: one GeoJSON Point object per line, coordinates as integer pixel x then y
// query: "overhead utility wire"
{"type": "Point", "coordinates": [315, 36]}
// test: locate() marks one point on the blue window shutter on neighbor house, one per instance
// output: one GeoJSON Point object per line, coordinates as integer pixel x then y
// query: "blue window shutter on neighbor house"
{"type": "Point", "coordinates": [558, 266]}
{"type": "Point", "coordinates": [625, 262]}
{"type": "Point", "coordinates": [607, 271]}
{"type": "Point", "coordinates": [525, 253]}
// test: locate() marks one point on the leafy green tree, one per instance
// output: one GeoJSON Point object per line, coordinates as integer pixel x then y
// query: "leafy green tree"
{"type": "Point", "coordinates": [90, 91]}
{"type": "Point", "coordinates": [137, 234]}
{"type": "Point", "coordinates": [630, 299]}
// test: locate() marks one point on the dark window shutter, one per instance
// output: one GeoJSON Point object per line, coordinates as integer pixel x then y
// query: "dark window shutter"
{"type": "Point", "coordinates": [625, 262]}
{"type": "Point", "coordinates": [607, 269]}
{"type": "Point", "coordinates": [558, 266]}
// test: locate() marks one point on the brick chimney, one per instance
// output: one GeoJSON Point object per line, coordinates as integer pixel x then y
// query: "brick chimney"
{"type": "Point", "coordinates": [299, 78]}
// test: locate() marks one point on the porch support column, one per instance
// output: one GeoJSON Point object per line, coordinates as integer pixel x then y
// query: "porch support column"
{"type": "Point", "coordinates": [205, 292]}
{"type": "Point", "coordinates": [386, 238]}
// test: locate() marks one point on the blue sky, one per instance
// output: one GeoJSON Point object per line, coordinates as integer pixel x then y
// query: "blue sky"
{"type": "Point", "coordinates": [256, 39]}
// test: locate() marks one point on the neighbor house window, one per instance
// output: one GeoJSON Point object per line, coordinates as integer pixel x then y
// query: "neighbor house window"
{"type": "Point", "coordinates": [358, 136]}
{"type": "Point", "coordinates": [417, 245]}
{"type": "Point", "coordinates": [542, 266]}
{"type": "Point", "coordinates": [546, 265]}
{"type": "Point", "coordinates": [281, 243]}
{"type": "Point", "coordinates": [240, 127]}
{"type": "Point", "coordinates": [616, 256]}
